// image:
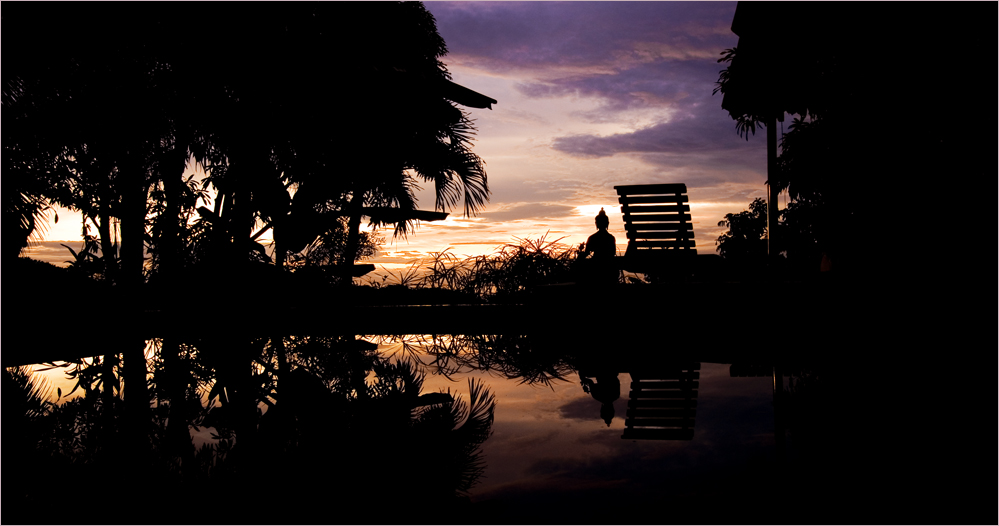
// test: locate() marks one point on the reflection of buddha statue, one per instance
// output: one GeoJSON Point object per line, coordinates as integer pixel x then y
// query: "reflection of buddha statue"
{"type": "Point", "coordinates": [605, 390]}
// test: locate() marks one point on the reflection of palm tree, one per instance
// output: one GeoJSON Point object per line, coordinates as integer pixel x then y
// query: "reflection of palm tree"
{"type": "Point", "coordinates": [350, 412]}
{"type": "Point", "coordinates": [458, 429]}
{"type": "Point", "coordinates": [29, 428]}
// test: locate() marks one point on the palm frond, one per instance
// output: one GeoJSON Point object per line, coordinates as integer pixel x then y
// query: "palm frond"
{"type": "Point", "coordinates": [476, 426]}
{"type": "Point", "coordinates": [27, 393]}
{"type": "Point", "coordinates": [458, 174]}
{"type": "Point", "coordinates": [399, 192]}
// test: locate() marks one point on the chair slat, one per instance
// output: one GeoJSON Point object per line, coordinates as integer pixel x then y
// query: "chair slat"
{"type": "Point", "coordinates": [665, 188]}
{"type": "Point", "coordinates": [658, 434]}
{"type": "Point", "coordinates": [689, 370]}
{"type": "Point", "coordinates": [654, 404]}
{"type": "Point", "coordinates": [642, 227]}
{"type": "Point", "coordinates": [674, 395]}
{"type": "Point", "coordinates": [662, 422]}
{"type": "Point", "coordinates": [675, 412]}
{"type": "Point", "coordinates": [664, 384]}
{"type": "Point", "coordinates": [682, 245]}
{"type": "Point", "coordinates": [629, 210]}
{"type": "Point", "coordinates": [693, 375]}
{"type": "Point", "coordinates": [651, 199]}
{"type": "Point", "coordinates": [653, 235]}
{"type": "Point", "coordinates": [679, 235]}
{"type": "Point", "coordinates": [656, 218]}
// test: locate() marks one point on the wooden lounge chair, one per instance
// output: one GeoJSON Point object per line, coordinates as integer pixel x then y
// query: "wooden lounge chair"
{"type": "Point", "coordinates": [662, 405]}
{"type": "Point", "coordinates": [657, 222]}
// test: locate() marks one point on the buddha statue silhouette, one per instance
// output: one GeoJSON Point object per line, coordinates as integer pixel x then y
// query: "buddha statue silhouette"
{"type": "Point", "coordinates": [599, 251]}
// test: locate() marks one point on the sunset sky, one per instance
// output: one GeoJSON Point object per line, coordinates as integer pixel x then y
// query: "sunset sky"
{"type": "Point", "coordinates": [590, 95]}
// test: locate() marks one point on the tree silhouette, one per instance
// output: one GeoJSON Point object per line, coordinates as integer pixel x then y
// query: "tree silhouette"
{"type": "Point", "coordinates": [827, 78]}
{"type": "Point", "coordinates": [745, 240]}
{"type": "Point", "coordinates": [744, 244]}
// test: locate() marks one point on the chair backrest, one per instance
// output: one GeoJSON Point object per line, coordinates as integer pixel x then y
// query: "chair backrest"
{"type": "Point", "coordinates": [662, 406]}
{"type": "Point", "coordinates": [657, 219]}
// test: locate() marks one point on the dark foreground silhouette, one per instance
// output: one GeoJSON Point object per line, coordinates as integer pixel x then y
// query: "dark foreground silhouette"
{"type": "Point", "coordinates": [900, 423]}
{"type": "Point", "coordinates": [325, 450]}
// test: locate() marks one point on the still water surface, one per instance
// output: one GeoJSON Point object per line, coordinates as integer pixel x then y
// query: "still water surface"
{"type": "Point", "coordinates": [551, 448]}
{"type": "Point", "coordinates": [552, 456]}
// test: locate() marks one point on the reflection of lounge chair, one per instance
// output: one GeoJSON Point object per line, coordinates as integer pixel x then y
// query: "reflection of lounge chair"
{"type": "Point", "coordinates": [661, 406]}
{"type": "Point", "coordinates": [657, 222]}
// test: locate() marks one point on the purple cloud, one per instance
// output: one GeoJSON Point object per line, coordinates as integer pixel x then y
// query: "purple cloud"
{"type": "Point", "coordinates": [529, 211]}
{"type": "Point", "coordinates": [505, 35]}
{"type": "Point", "coordinates": [629, 55]}
{"type": "Point", "coordinates": [680, 85]}
{"type": "Point", "coordinates": [706, 141]}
